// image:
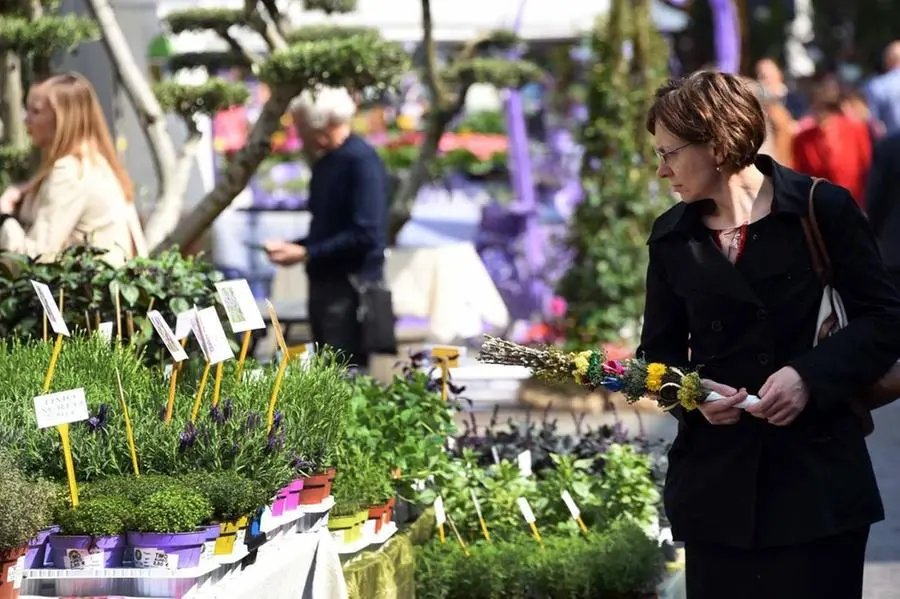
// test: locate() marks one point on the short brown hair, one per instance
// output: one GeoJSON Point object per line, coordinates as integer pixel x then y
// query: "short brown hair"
{"type": "Point", "coordinates": [709, 106]}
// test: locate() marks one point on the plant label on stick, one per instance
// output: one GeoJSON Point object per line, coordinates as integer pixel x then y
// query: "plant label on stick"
{"type": "Point", "coordinates": [524, 461]}
{"type": "Point", "coordinates": [209, 332]}
{"type": "Point", "coordinates": [51, 310]}
{"type": "Point", "coordinates": [168, 337]}
{"type": "Point", "coordinates": [105, 330]}
{"type": "Point", "coordinates": [446, 355]}
{"type": "Point", "coordinates": [573, 509]}
{"type": "Point", "coordinates": [183, 323]}
{"type": "Point", "coordinates": [525, 508]}
{"type": "Point", "coordinates": [495, 454]}
{"type": "Point", "coordinates": [481, 521]}
{"type": "Point", "coordinates": [62, 407]}
{"type": "Point", "coordinates": [240, 306]}
{"type": "Point", "coordinates": [440, 517]}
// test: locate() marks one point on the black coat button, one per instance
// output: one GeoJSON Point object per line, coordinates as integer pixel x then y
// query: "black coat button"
{"type": "Point", "coordinates": [763, 359]}
{"type": "Point", "coordinates": [762, 314]}
{"type": "Point", "coordinates": [716, 326]}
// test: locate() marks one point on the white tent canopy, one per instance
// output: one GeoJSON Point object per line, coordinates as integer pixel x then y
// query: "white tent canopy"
{"type": "Point", "coordinates": [454, 20]}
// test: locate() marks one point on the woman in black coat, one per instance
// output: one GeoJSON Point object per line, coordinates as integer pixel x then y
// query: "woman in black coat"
{"type": "Point", "coordinates": [773, 501]}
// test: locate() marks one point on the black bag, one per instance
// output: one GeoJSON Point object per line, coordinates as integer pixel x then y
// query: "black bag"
{"type": "Point", "coordinates": [376, 317]}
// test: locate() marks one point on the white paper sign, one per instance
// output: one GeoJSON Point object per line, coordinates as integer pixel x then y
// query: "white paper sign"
{"type": "Point", "coordinates": [240, 306]}
{"type": "Point", "coordinates": [105, 330]}
{"type": "Point", "coordinates": [209, 332]}
{"type": "Point", "coordinates": [183, 323]}
{"type": "Point", "coordinates": [45, 296]}
{"type": "Point", "coordinates": [524, 460]}
{"type": "Point", "coordinates": [154, 558]}
{"type": "Point", "coordinates": [81, 559]}
{"type": "Point", "coordinates": [439, 514]}
{"type": "Point", "coordinates": [570, 503]}
{"type": "Point", "coordinates": [62, 407]}
{"type": "Point", "coordinates": [526, 509]}
{"type": "Point", "coordinates": [168, 337]}
{"type": "Point", "coordinates": [495, 454]}
{"type": "Point", "coordinates": [19, 573]}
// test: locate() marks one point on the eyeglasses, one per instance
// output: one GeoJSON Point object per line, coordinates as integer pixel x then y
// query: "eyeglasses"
{"type": "Point", "coordinates": [664, 156]}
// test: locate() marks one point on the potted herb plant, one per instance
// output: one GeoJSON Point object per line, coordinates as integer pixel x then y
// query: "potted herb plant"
{"type": "Point", "coordinates": [377, 494]}
{"type": "Point", "coordinates": [163, 532]}
{"type": "Point", "coordinates": [92, 534]}
{"type": "Point", "coordinates": [26, 510]}
{"type": "Point", "coordinates": [351, 486]}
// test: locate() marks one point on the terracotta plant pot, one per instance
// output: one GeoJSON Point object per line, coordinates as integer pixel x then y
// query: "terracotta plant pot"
{"type": "Point", "coordinates": [8, 560]}
{"type": "Point", "coordinates": [378, 513]}
{"type": "Point", "coordinates": [316, 488]}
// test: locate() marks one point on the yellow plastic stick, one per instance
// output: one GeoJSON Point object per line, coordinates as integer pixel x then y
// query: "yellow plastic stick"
{"type": "Point", "coordinates": [245, 346]}
{"type": "Point", "coordinates": [129, 432]}
{"type": "Point", "coordinates": [217, 384]}
{"type": "Point", "coordinates": [196, 409]}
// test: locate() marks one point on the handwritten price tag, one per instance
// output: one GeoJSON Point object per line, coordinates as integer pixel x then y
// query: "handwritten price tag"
{"type": "Point", "coordinates": [106, 330]}
{"type": "Point", "coordinates": [62, 407]}
{"type": "Point", "coordinates": [45, 296]}
{"type": "Point", "coordinates": [240, 306]}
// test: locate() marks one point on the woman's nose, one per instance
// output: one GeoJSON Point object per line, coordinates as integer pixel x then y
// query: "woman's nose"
{"type": "Point", "coordinates": [663, 170]}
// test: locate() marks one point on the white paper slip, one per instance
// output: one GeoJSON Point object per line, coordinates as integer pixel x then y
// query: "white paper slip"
{"type": "Point", "coordinates": [570, 503]}
{"type": "Point", "coordinates": [495, 454]}
{"type": "Point", "coordinates": [19, 572]}
{"type": "Point", "coordinates": [524, 460]}
{"type": "Point", "coordinates": [240, 306]}
{"type": "Point", "coordinates": [475, 502]}
{"type": "Point", "coordinates": [54, 317]}
{"type": "Point", "coordinates": [183, 323]}
{"type": "Point", "coordinates": [525, 509]}
{"type": "Point", "coordinates": [105, 330]}
{"type": "Point", "coordinates": [61, 407]}
{"type": "Point", "coordinates": [209, 332]}
{"type": "Point", "coordinates": [440, 515]}
{"type": "Point", "coordinates": [168, 337]}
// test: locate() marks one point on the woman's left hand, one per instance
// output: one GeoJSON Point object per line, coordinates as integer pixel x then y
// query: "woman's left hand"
{"type": "Point", "coordinates": [783, 396]}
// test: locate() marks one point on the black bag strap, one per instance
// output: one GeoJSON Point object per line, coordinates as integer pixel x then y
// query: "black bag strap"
{"type": "Point", "coordinates": [814, 241]}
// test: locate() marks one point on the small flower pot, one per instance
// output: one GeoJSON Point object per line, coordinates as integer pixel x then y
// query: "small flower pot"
{"type": "Point", "coordinates": [294, 489]}
{"type": "Point", "coordinates": [166, 550]}
{"type": "Point", "coordinates": [8, 560]}
{"type": "Point", "coordinates": [76, 552]}
{"type": "Point", "coordinates": [210, 534]}
{"type": "Point", "coordinates": [378, 513]}
{"type": "Point", "coordinates": [280, 501]}
{"type": "Point", "coordinates": [38, 554]}
{"type": "Point", "coordinates": [348, 529]}
{"type": "Point", "coordinates": [228, 535]}
{"type": "Point", "coordinates": [316, 488]}
{"type": "Point", "coordinates": [389, 515]}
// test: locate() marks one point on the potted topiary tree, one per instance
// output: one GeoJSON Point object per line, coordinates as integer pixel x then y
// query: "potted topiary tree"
{"type": "Point", "coordinates": [26, 510]}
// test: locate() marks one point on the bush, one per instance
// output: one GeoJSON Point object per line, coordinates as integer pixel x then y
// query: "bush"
{"type": "Point", "coordinates": [230, 494]}
{"type": "Point", "coordinates": [102, 516]}
{"type": "Point", "coordinates": [621, 563]}
{"type": "Point", "coordinates": [25, 505]}
{"type": "Point", "coordinates": [171, 511]}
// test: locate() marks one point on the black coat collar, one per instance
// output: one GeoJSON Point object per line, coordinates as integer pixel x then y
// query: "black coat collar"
{"type": "Point", "coordinates": [791, 193]}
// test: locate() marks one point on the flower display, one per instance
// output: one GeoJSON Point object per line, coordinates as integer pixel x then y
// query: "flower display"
{"type": "Point", "coordinates": [634, 377]}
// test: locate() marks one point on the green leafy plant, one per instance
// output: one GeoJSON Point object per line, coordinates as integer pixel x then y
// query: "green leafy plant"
{"type": "Point", "coordinates": [358, 482]}
{"type": "Point", "coordinates": [231, 495]}
{"type": "Point", "coordinates": [101, 516]}
{"type": "Point", "coordinates": [626, 489]}
{"type": "Point", "coordinates": [604, 286]}
{"type": "Point", "coordinates": [130, 488]}
{"type": "Point", "coordinates": [171, 511]}
{"type": "Point", "coordinates": [27, 504]}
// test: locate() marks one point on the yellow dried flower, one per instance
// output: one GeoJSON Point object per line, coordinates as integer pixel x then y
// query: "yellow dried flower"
{"type": "Point", "coordinates": [655, 374]}
{"type": "Point", "coordinates": [581, 362]}
{"type": "Point", "coordinates": [690, 392]}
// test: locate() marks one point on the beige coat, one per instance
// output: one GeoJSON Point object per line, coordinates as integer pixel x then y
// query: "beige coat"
{"type": "Point", "coordinates": [79, 201]}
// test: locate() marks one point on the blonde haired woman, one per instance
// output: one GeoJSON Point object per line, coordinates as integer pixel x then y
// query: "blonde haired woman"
{"type": "Point", "coordinates": [81, 192]}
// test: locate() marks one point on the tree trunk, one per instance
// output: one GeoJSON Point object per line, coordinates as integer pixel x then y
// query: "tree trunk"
{"type": "Point", "coordinates": [236, 175]}
{"type": "Point", "coordinates": [171, 188]}
{"type": "Point", "coordinates": [12, 103]}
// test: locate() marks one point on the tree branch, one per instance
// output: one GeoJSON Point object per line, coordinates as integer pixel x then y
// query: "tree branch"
{"type": "Point", "coordinates": [162, 148]}
{"type": "Point", "coordinates": [13, 100]}
{"type": "Point", "coordinates": [431, 77]}
{"type": "Point", "coordinates": [236, 47]}
{"type": "Point", "coordinates": [264, 26]}
{"type": "Point", "coordinates": [236, 175]}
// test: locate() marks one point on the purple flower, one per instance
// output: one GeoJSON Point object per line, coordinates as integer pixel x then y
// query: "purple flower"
{"type": "Point", "coordinates": [276, 420]}
{"type": "Point", "coordinates": [98, 421]}
{"type": "Point", "coordinates": [274, 443]}
{"type": "Point", "coordinates": [227, 409]}
{"type": "Point", "coordinates": [216, 415]}
{"type": "Point", "coordinates": [253, 421]}
{"type": "Point", "coordinates": [188, 436]}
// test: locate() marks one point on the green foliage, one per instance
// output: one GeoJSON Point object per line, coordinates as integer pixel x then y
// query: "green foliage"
{"type": "Point", "coordinates": [403, 426]}
{"type": "Point", "coordinates": [497, 71]}
{"type": "Point", "coordinates": [461, 160]}
{"type": "Point", "coordinates": [27, 504]}
{"type": "Point", "coordinates": [203, 19]}
{"type": "Point", "coordinates": [173, 283]}
{"type": "Point", "coordinates": [320, 33]}
{"type": "Point", "coordinates": [353, 62]}
{"type": "Point", "coordinates": [231, 495]}
{"type": "Point", "coordinates": [604, 286]}
{"type": "Point", "coordinates": [626, 489]}
{"type": "Point", "coordinates": [102, 516]}
{"type": "Point", "coordinates": [330, 6]}
{"type": "Point", "coordinates": [207, 98]}
{"type": "Point", "coordinates": [132, 489]}
{"type": "Point", "coordinates": [360, 481]}
{"type": "Point", "coordinates": [15, 165]}
{"type": "Point", "coordinates": [619, 563]}
{"type": "Point", "coordinates": [45, 35]}
{"type": "Point", "coordinates": [213, 62]}
{"type": "Point", "coordinates": [170, 511]}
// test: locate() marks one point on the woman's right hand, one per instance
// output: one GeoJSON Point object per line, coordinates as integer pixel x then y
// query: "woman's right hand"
{"type": "Point", "coordinates": [10, 199]}
{"type": "Point", "coordinates": [722, 411]}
